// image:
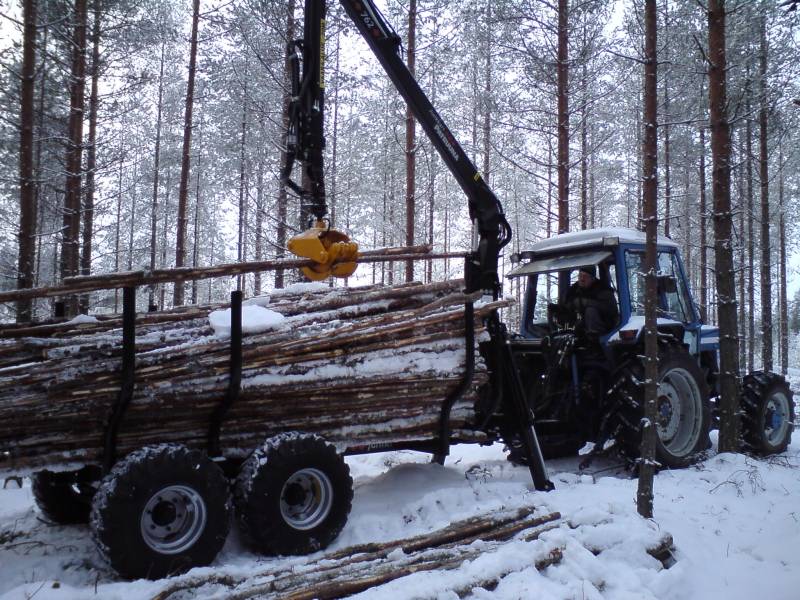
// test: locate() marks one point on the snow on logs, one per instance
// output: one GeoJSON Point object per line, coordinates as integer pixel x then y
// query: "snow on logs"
{"type": "Point", "coordinates": [364, 367]}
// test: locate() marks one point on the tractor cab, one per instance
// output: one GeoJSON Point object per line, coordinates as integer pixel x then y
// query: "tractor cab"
{"type": "Point", "coordinates": [551, 266]}
{"type": "Point", "coordinates": [581, 382]}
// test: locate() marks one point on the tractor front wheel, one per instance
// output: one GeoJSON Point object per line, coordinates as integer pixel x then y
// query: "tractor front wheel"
{"type": "Point", "coordinates": [768, 413]}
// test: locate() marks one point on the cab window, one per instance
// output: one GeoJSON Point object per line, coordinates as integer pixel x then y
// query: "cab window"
{"type": "Point", "coordinates": [673, 297]}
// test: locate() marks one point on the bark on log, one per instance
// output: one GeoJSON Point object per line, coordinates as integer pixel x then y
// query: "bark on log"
{"type": "Point", "coordinates": [109, 281]}
{"type": "Point", "coordinates": [361, 367]}
{"type": "Point", "coordinates": [357, 568]}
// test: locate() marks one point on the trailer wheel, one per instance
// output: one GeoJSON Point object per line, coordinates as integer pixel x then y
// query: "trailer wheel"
{"type": "Point", "coordinates": [768, 416]}
{"type": "Point", "coordinates": [161, 511]}
{"type": "Point", "coordinates": [683, 407]}
{"type": "Point", "coordinates": [65, 497]}
{"type": "Point", "coordinates": [293, 495]}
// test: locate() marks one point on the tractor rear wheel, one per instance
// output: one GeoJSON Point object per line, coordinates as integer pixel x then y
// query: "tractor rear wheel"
{"type": "Point", "coordinates": [768, 416]}
{"type": "Point", "coordinates": [683, 408]}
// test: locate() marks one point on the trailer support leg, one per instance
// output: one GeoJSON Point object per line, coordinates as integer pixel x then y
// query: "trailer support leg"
{"type": "Point", "coordinates": [127, 376]}
{"type": "Point", "coordinates": [466, 380]}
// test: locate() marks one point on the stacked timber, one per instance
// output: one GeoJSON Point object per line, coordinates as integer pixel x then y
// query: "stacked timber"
{"type": "Point", "coordinates": [364, 367]}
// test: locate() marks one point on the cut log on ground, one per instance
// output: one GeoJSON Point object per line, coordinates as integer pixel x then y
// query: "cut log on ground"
{"type": "Point", "coordinates": [363, 367]}
{"type": "Point", "coordinates": [357, 568]}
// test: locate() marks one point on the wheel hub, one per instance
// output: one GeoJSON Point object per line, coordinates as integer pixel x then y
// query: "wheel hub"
{"type": "Point", "coordinates": [679, 411]}
{"type": "Point", "coordinates": [306, 499]}
{"type": "Point", "coordinates": [776, 418]}
{"type": "Point", "coordinates": [664, 410]}
{"type": "Point", "coordinates": [173, 519]}
{"type": "Point", "coordinates": [164, 513]}
{"type": "Point", "coordinates": [668, 409]}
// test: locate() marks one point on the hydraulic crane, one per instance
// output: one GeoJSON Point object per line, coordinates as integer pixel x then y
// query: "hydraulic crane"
{"type": "Point", "coordinates": [324, 245]}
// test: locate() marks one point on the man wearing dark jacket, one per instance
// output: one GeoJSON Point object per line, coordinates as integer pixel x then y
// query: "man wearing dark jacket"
{"type": "Point", "coordinates": [593, 304]}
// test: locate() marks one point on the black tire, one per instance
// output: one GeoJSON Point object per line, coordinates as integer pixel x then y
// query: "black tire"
{"type": "Point", "coordinates": [768, 413]}
{"type": "Point", "coordinates": [65, 497]}
{"type": "Point", "coordinates": [161, 511]}
{"type": "Point", "coordinates": [684, 408]}
{"type": "Point", "coordinates": [293, 495]}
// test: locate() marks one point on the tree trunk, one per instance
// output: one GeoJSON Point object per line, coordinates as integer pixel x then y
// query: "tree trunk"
{"type": "Point", "coordinates": [667, 119]}
{"type": "Point", "coordinates": [118, 221]}
{"type": "Point", "coordinates": [40, 213]}
{"type": "Point", "coordinates": [563, 132]}
{"type": "Point", "coordinates": [584, 137]}
{"type": "Point", "coordinates": [703, 234]}
{"type": "Point", "coordinates": [549, 227]}
{"type": "Point", "coordinates": [766, 261]}
{"type": "Point", "coordinates": [723, 244]}
{"type": "Point", "coordinates": [27, 186]}
{"type": "Point", "coordinates": [487, 96]}
{"type": "Point", "coordinates": [687, 239]}
{"type": "Point", "coordinates": [434, 160]}
{"type": "Point", "coordinates": [91, 156]}
{"type": "Point", "coordinates": [751, 244]}
{"type": "Point", "coordinates": [259, 228]}
{"type": "Point", "coordinates": [411, 143]}
{"type": "Point", "coordinates": [197, 203]}
{"type": "Point", "coordinates": [163, 290]}
{"type": "Point", "coordinates": [563, 119]}
{"type": "Point", "coordinates": [283, 198]}
{"type": "Point", "coordinates": [644, 494]}
{"type": "Point", "coordinates": [784, 304]}
{"type": "Point", "coordinates": [742, 257]}
{"type": "Point", "coordinates": [132, 219]}
{"type": "Point", "coordinates": [592, 186]}
{"type": "Point", "coordinates": [183, 190]}
{"type": "Point", "coordinates": [151, 302]}
{"type": "Point", "coordinates": [72, 189]}
{"type": "Point", "coordinates": [241, 252]}
{"type": "Point", "coordinates": [667, 181]}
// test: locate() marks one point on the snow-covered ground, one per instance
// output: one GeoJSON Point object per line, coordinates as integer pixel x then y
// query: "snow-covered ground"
{"type": "Point", "coordinates": [735, 522]}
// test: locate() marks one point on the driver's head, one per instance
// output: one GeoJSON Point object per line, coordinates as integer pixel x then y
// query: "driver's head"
{"type": "Point", "coordinates": [586, 276]}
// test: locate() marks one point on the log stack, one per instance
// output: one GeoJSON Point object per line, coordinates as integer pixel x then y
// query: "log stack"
{"type": "Point", "coordinates": [364, 367]}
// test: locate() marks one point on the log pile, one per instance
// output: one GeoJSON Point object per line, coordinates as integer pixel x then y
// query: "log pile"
{"type": "Point", "coordinates": [359, 568]}
{"type": "Point", "coordinates": [364, 367]}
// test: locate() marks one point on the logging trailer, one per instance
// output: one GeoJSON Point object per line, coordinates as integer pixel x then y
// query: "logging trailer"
{"type": "Point", "coordinates": [158, 449]}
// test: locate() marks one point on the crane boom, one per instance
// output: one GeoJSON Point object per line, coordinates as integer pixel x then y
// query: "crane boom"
{"type": "Point", "coordinates": [485, 210]}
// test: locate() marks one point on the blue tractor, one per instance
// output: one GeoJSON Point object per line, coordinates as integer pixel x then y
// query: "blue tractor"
{"type": "Point", "coordinates": [586, 388]}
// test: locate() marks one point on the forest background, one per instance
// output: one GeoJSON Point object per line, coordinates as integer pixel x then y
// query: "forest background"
{"type": "Point", "coordinates": [108, 182]}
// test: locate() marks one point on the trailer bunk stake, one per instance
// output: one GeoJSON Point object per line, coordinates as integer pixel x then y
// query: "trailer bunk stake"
{"type": "Point", "coordinates": [235, 382]}
{"type": "Point", "coordinates": [128, 373]}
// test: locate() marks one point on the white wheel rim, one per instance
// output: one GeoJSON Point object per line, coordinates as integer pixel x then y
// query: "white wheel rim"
{"type": "Point", "coordinates": [306, 499]}
{"type": "Point", "coordinates": [173, 519]}
{"type": "Point", "coordinates": [679, 412]}
{"type": "Point", "coordinates": [776, 418]}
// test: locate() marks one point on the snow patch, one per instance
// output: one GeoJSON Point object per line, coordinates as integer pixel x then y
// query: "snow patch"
{"type": "Point", "coordinates": [81, 319]}
{"type": "Point", "coordinates": [254, 320]}
{"type": "Point", "coordinates": [310, 287]}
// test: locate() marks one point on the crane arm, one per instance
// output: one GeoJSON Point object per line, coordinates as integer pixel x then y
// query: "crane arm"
{"type": "Point", "coordinates": [491, 231]}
